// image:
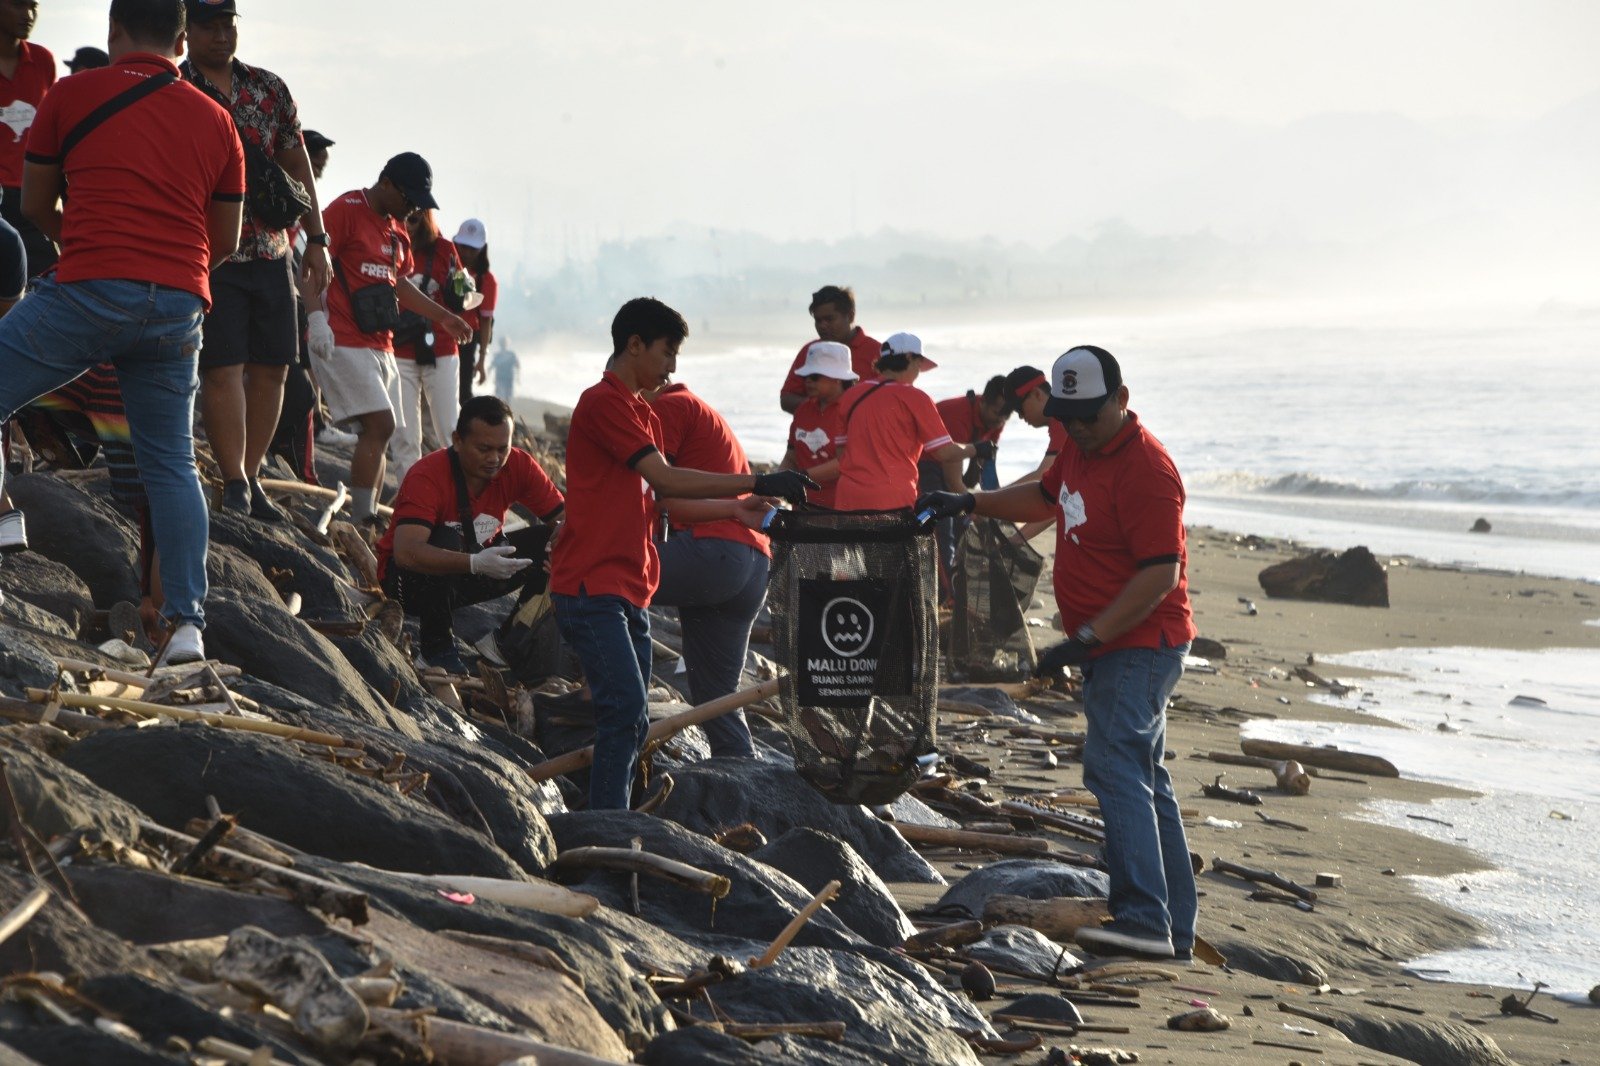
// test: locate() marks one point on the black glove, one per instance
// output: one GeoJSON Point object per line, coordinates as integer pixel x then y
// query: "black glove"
{"type": "Point", "coordinates": [790, 485]}
{"type": "Point", "coordinates": [984, 451]}
{"type": "Point", "coordinates": [944, 505]}
{"type": "Point", "coordinates": [1074, 652]}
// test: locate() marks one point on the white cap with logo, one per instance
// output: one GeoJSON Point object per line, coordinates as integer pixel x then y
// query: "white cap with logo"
{"type": "Point", "coordinates": [472, 234]}
{"type": "Point", "coordinates": [828, 358]}
{"type": "Point", "coordinates": [1081, 381]}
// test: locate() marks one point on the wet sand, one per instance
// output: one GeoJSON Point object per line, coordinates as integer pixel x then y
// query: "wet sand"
{"type": "Point", "coordinates": [1362, 933]}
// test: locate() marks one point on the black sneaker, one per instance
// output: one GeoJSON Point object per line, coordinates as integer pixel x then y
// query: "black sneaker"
{"type": "Point", "coordinates": [446, 659]}
{"type": "Point", "coordinates": [236, 496]}
{"type": "Point", "coordinates": [1103, 940]}
{"type": "Point", "coordinates": [262, 507]}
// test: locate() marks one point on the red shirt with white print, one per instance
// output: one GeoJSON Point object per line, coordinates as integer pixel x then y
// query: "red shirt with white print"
{"type": "Point", "coordinates": [606, 547]}
{"type": "Point", "coordinates": [811, 435]}
{"type": "Point", "coordinates": [368, 248]}
{"type": "Point", "coordinates": [20, 96]}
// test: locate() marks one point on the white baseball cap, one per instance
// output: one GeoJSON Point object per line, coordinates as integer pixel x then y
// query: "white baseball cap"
{"type": "Point", "coordinates": [907, 344]}
{"type": "Point", "coordinates": [1081, 381]}
{"type": "Point", "coordinates": [828, 358]}
{"type": "Point", "coordinates": [472, 234]}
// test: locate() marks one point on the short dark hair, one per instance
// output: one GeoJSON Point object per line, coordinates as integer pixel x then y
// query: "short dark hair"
{"type": "Point", "coordinates": [150, 21]}
{"type": "Point", "coordinates": [839, 296]}
{"type": "Point", "coordinates": [490, 410]}
{"type": "Point", "coordinates": [648, 319]}
{"type": "Point", "coordinates": [995, 389]}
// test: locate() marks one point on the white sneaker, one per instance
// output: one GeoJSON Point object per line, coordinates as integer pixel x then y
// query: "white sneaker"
{"type": "Point", "coordinates": [488, 646]}
{"type": "Point", "coordinates": [13, 532]}
{"type": "Point", "coordinates": [334, 435]}
{"type": "Point", "coordinates": [184, 647]}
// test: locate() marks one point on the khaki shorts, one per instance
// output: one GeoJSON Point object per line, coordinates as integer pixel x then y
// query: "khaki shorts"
{"type": "Point", "coordinates": [359, 381]}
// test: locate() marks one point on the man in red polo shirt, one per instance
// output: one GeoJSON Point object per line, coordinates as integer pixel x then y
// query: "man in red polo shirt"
{"type": "Point", "coordinates": [444, 548]}
{"type": "Point", "coordinates": [833, 312]}
{"type": "Point", "coordinates": [157, 197]}
{"type": "Point", "coordinates": [604, 568]}
{"type": "Point", "coordinates": [26, 72]}
{"type": "Point", "coordinates": [714, 573]}
{"type": "Point", "coordinates": [1122, 588]}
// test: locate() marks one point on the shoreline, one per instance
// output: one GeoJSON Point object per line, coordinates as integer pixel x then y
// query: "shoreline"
{"type": "Point", "coordinates": [1366, 933]}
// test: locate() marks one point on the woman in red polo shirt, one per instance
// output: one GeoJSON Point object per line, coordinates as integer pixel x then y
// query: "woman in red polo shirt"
{"type": "Point", "coordinates": [886, 427]}
{"type": "Point", "coordinates": [472, 244]}
{"type": "Point", "coordinates": [827, 373]}
{"type": "Point", "coordinates": [427, 357]}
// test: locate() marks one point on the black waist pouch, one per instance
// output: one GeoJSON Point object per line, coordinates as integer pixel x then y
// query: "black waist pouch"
{"type": "Point", "coordinates": [375, 308]}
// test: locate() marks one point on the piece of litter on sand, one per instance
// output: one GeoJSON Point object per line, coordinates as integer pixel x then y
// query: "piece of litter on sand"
{"type": "Point", "coordinates": [466, 899]}
{"type": "Point", "coordinates": [1561, 816]}
{"type": "Point", "coordinates": [1526, 701]}
{"type": "Point", "coordinates": [1221, 823]}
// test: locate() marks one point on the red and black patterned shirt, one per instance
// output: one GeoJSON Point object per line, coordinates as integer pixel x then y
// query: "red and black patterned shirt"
{"type": "Point", "coordinates": [266, 117]}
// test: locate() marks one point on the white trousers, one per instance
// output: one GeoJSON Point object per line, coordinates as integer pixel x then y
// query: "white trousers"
{"type": "Point", "coordinates": [441, 382]}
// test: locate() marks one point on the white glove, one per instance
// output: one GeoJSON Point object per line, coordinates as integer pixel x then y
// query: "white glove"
{"type": "Point", "coordinates": [319, 335]}
{"type": "Point", "coordinates": [497, 562]}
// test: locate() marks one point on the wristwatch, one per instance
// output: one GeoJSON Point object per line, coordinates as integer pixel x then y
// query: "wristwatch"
{"type": "Point", "coordinates": [1085, 634]}
{"type": "Point", "coordinates": [317, 238]}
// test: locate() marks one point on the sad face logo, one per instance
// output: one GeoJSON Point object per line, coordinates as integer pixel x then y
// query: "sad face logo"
{"type": "Point", "coordinates": [847, 626]}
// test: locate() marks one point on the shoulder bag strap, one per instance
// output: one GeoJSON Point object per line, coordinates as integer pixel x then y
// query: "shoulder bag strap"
{"type": "Point", "coordinates": [122, 100]}
{"type": "Point", "coordinates": [469, 535]}
{"type": "Point", "coordinates": [876, 385]}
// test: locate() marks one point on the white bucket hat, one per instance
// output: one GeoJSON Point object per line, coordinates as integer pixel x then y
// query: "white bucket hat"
{"type": "Point", "coordinates": [828, 358]}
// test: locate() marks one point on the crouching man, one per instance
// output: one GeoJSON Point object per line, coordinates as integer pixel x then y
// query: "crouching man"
{"type": "Point", "coordinates": [444, 547]}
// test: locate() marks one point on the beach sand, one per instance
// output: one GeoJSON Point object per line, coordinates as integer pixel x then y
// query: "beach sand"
{"type": "Point", "coordinates": [1360, 934]}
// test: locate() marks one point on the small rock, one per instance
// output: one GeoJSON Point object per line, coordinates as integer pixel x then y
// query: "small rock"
{"type": "Point", "coordinates": [125, 653]}
{"type": "Point", "coordinates": [1481, 526]}
{"type": "Point", "coordinates": [1594, 995]}
{"type": "Point", "coordinates": [977, 981]}
{"type": "Point", "coordinates": [1207, 1020]}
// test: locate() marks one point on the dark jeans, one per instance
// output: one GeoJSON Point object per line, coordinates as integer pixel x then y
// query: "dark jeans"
{"type": "Point", "coordinates": [469, 369]}
{"type": "Point", "coordinates": [42, 254]}
{"type": "Point", "coordinates": [718, 587]}
{"type": "Point", "coordinates": [611, 638]}
{"type": "Point", "coordinates": [433, 598]}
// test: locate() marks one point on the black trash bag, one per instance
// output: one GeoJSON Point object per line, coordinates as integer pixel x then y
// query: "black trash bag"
{"type": "Point", "coordinates": [993, 583]}
{"type": "Point", "coordinates": [855, 624]}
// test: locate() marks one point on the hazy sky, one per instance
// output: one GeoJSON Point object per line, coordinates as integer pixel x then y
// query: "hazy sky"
{"type": "Point", "coordinates": [564, 123]}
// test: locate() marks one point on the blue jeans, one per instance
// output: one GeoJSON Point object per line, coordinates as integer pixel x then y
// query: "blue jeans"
{"type": "Point", "coordinates": [151, 333]}
{"type": "Point", "coordinates": [718, 587]}
{"type": "Point", "coordinates": [1125, 697]}
{"type": "Point", "coordinates": [611, 638]}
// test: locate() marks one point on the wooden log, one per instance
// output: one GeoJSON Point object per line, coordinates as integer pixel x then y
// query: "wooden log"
{"type": "Point", "coordinates": [1325, 758]}
{"type": "Point", "coordinates": [317, 492]}
{"type": "Point", "coordinates": [335, 505]}
{"type": "Point", "coordinates": [539, 896]}
{"type": "Point", "coordinates": [643, 862]}
{"type": "Point", "coordinates": [298, 980]}
{"type": "Point", "coordinates": [459, 1044]}
{"type": "Point", "coordinates": [306, 889]}
{"type": "Point", "coordinates": [1068, 824]}
{"type": "Point", "coordinates": [71, 721]}
{"type": "Point", "coordinates": [1291, 776]}
{"type": "Point", "coordinates": [23, 912]}
{"type": "Point", "coordinates": [126, 677]}
{"type": "Point", "coordinates": [1218, 791]}
{"type": "Point", "coordinates": [666, 727]}
{"type": "Point", "coordinates": [792, 930]}
{"type": "Point", "coordinates": [237, 1054]}
{"type": "Point", "coordinates": [1264, 877]}
{"type": "Point", "coordinates": [1078, 799]}
{"type": "Point", "coordinates": [353, 546]}
{"type": "Point", "coordinates": [1058, 919]}
{"type": "Point", "coordinates": [954, 935]}
{"type": "Point", "coordinates": [185, 714]}
{"type": "Point", "coordinates": [960, 838]}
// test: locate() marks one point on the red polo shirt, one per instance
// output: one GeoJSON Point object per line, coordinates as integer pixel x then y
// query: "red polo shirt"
{"type": "Point", "coordinates": [491, 295]}
{"type": "Point", "coordinates": [20, 96]}
{"type": "Point", "coordinates": [605, 549]}
{"type": "Point", "coordinates": [881, 443]}
{"type": "Point", "coordinates": [960, 416]}
{"type": "Point", "coordinates": [695, 436]}
{"type": "Point", "coordinates": [428, 497]}
{"type": "Point", "coordinates": [1058, 437]}
{"type": "Point", "coordinates": [1120, 509]}
{"type": "Point", "coordinates": [864, 351]}
{"type": "Point", "coordinates": [811, 437]}
{"type": "Point", "coordinates": [368, 248]}
{"type": "Point", "coordinates": [142, 183]}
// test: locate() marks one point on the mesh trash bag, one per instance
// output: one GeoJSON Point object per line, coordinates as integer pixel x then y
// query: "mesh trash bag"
{"type": "Point", "coordinates": [855, 624]}
{"type": "Point", "coordinates": [993, 584]}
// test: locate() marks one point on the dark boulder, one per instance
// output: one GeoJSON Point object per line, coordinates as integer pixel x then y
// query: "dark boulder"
{"type": "Point", "coordinates": [1021, 950]}
{"type": "Point", "coordinates": [1047, 1006]}
{"type": "Point", "coordinates": [864, 903]}
{"type": "Point", "coordinates": [147, 908]}
{"type": "Point", "coordinates": [55, 799]}
{"type": "Point", "coordinates": [83, 532]}
{"type": "Point", "coordinates": [20, 613]}
{"type": "Point", "coordinates": [24, 663]}
{"type": "Point", "coordinates": [77, 1045]}
{"type": "Point", "coordinates": [305, 802]}
{"type": "Point", "coordinates": [58, 939]}
{"type": "Point", "coordinates": [719, 793]}
{"type": "Point", "coordinates": [1028, 878]}
{"type": "Point", "coordinates": [49, 586]}
{"type": "Point", "coordinates": [1354, 577]}
{"type": "Point", "coordinates": [1206, 648]}
{"type": "Point", "coordinates": [315, 572]}
{"type": "Point", "coordinates": [159, 1014]}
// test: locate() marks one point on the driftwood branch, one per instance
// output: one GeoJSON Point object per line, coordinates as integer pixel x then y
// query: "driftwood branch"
{"type": "Point", "coordinates": [23, 913]}
{"type": "Point", "coordinates": [335, 505]}
{"type": "Point", "coordinates": [644, 862]}
{"type": "Point", "coordinates": [185, 714]}
{"type": "Point", "coordinates": [1058, 919]}
{"type": "Point", "coordinates": [1218, 791]}
{"type": "Point", "coordinates": [306, 889]}
{"type": "Point", "coordinates": [954, 935]}
{"type": "Point", "coordinates": [792, 930]}
{"type": "Point", "coordinates": [1291, 776]}
{"type": "Point", "coordinates": [574, 761]}
{"type": "Point", "coordinates": [1264, 877]}
{"type": "Point", "coordinates": [1326, 758]}
{"type": "Point", "coordinates": [460, 1044]}
{"type": "Point", "coordinates": [354, 548]}
{"type": "Point", "coordinates": [71, 721]}
{"type": "Point", "coordinates": [938, 836]}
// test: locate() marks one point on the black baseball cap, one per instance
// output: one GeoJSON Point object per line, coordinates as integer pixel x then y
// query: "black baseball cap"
{"type": "Point", "coordinates": [414, 177]}
{"type": "Point", "coordinates": [316, 142]}
{"type": "Point", "coordinates": [1020, 382]}
{"type": "Point", "coordinates": [87, 58]}
{"type": "Point", "coordinates": [206, 10]}
{"type": "Point", "coordinates": [1081, 381]}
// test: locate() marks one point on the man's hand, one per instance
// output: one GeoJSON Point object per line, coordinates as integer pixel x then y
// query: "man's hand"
{"type": "Point", "coordinates": [319, 335]}
{"type": "Point", "coordinates": [457, 327]}
{"type": "Point", "coordinates": [483, 371]}
{"type": "Point", "coordinates": [498, 562]}
{"type": "Point", "coordinates": [317, 272]}
{"type": "Point", "coordinates": [945, 504]}
{"type": "Point", "coordinates": [789, 485]}
{"type": "Point", "coordinates": [1074, 652]}
{"type": "Point", "coordinates": [753, 510]}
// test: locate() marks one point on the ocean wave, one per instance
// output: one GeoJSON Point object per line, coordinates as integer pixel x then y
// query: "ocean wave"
{"type": "Point", "coordinates": [1238, 482]}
